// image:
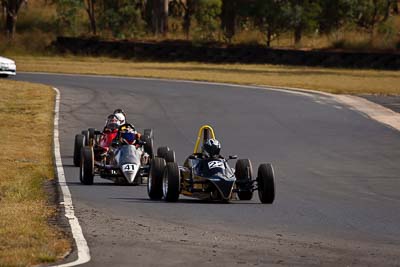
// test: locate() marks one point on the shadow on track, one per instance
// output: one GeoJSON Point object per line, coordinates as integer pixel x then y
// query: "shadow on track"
{"type": "Point", "coordinates": [183, 201]}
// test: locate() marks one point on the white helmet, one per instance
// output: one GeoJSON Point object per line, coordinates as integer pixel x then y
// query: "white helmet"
{"type": "Point", "coordinates": [121, 118]}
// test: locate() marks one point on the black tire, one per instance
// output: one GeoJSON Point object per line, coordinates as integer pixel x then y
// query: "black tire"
{"type": "Point", "coordinates": [244, 176]}
{"type": "Point", "coordinates": [266, 183]}
{"type": "Point", "coordinates": [149, 145]}
{"type": "Point", "coordinates": [171, 182]}
{"type": "Point", "coordinates": [162, 152]}
{"type": "Point", "coordinates": [91, 134]}
{"type": "Point", "coordinates": [170, 156]}
{"type": "Point", "coordinates": [78, 145]}
{"type": "Point", "coordinates": [86, 134]}
{"type": "Point", "coordinates": [87, 165]}
{"type": "Point", "coordinates": [148, 132]}
{"type": "Point", "coordinates": [154, 183]}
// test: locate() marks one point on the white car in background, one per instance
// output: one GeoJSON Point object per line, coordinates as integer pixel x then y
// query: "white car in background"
{"type": "Point", "coordinates": [7, 67]}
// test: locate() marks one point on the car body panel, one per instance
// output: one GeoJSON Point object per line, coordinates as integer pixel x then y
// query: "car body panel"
{"type": "Point", "coordinates": [7, 67]}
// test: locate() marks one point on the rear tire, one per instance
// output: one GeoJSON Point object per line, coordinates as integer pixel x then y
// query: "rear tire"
{"type": "Point", "coordinates": [87, 166]}
{"type": "Point", "coordinates": [171, 182]}
{"type": "Point", "coordinates": [162, 151]}
{"type": "Point", "coordinates": [170, 156]}
{"type": "Point", "coordinates": [154, 183]}
{"type": "Point", "coordinates": [244, 176]}
{"type": "Point", "coordinates": [266, 183]}
{"type": "Point", "coordinates": [148, 146]}
{"type": "Point", "coordinates": [78, 145]}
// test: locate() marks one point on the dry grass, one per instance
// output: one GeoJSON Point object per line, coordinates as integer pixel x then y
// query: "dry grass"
{"type": "Point", "coordinates": [323, 79]}
{"type": "Point", "coordinates": [26, 115]}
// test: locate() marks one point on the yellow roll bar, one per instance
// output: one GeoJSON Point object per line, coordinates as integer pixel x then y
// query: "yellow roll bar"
{"type": "Point", "coordinates": [207, 132]}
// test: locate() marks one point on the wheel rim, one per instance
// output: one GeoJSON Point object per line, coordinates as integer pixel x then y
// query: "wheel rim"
{"type": "Point", "coordinates": [165, 183]}
{"type": "Point", "coordinates": [82, 168]}
{"type": "Point", "coordinates": [149, 181]}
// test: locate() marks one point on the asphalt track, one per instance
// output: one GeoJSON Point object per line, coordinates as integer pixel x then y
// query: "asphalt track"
{"type": "Point", "coordinates": [337, 177]}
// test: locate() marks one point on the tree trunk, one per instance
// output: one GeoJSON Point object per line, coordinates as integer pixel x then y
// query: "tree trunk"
{"type": "Point", "coordinates": [11, 23]}
{"type": "Point", "coordinates": [298, 34]}
{"type": "Point", "coordinates": [3, 12]}
{"type": "Point", "coordinates": [159, 17]}
{"type": "Point", "coordinates": [187, 17]}
{"type": "Point", "coordinates": [11, 10]}
{"type": "Point", "coordinates": [269, 37]}
{"type": "Point", "coordinates": [228, 18]}
{"type": "Point", "coordinates": [395, 7]}
{"type": "Point", "coordinates": [92, 16]}
{"type": "Point", "coordinates": [164, 17]}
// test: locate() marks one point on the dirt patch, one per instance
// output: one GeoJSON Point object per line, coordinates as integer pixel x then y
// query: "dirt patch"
{"type": "Point", "coordinates": [153, 242]}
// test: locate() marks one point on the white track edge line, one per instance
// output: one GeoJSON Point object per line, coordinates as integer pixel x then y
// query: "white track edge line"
{"type": "Point", "coordinates": [80, 241]}
{"type": "Point", "coordinates": [374, 111]}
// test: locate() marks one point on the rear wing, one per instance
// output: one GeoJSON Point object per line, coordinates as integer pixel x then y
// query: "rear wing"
{"type": "Point", "coordinates": [205, 132]}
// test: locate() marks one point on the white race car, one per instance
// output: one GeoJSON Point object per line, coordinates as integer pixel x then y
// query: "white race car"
{"type": "Point", "coordinates": [7, 67]}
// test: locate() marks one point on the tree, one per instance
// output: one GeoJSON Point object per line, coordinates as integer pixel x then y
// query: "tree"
{"type": "Point", "coordinates": [90, 10]}
{"type": "Point", "coordinates": [157, 16]}
{"type": "Point", "coordinates": [229, 13]}
{"type": "Point", "coordinates": [68, 14]}
{"type": "Point", "coordinates": [190, 8]}
{"type": "Point", "coordinates": [121, 17]}
{"type": "Point", "coordinates": [334, 14]}
{"type": "Point", "coordinates": [11, 8]}
{"type": "Point", "coordinates": [369, 13]}
{"type": "Point", "coordinates": [269, 17]}
{"type": "Point", "coordinates": [207, 14]}
{"type": "Point", "coordinates": [302, 16]}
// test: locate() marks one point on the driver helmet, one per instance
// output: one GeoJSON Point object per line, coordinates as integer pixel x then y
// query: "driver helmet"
{"type": "Point", "coordinates": [121, 118]}
{"type": "Point", "coordinates": [112, 122]}
{"type": "Point", "coordinates": [120, 115]}
{"type": "Point", "coordinates": [211, 147]}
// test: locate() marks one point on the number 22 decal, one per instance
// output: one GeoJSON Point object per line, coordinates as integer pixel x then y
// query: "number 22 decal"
{"type": "Point", "coordinates": [216, 164]}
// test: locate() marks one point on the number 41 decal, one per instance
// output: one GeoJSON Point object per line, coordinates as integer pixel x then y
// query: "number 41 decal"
{"type": "Point", "coordinates": [128, 167]}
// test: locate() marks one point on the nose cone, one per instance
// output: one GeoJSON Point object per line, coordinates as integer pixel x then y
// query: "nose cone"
{"type": "Point", "coordinates": [223, 184]}
{"type": "Point", "coordinates": [130, 176]}
{"type": "Point", "coordinates": [130, 171]}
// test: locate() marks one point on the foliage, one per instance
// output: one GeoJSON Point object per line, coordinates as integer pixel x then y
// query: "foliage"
{"type": "Point", "coordinates": [206, 14]}
{"type": "Point", "coordinates": [368, 13]}
{"type": "Point", "coordinates": [68, 15]}
{"type": "Point", "coordinates": [269, 17]}
{"type": "Point", "coordinates": [302, 16]}
{"type": "Point", "coordinates": [334, 14]}
{"type": "Point", "coordinates": [122, 18]}
{"type": "Point", "coordinates": [272, 21]}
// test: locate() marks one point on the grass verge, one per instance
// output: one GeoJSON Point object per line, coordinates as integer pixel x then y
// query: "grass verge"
{"type": "Point", "coordinates": [26, 123]}
{"type": "Point", "coordinates": [330, 80]}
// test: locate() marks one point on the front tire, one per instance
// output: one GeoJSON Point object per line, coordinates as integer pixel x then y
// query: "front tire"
{"type": "Point", "coordinates": [78, 145]}
{"type": "Point", "coordinates": [87, 166]}
{"type": "Point", "coordinates": [171, 182]}
{"type": "Point", "coordinates": [244, 176]}
{"type": "Point", "coordinates": [266, 183]}
{"type": "Point", "coordinates": [86, 134]}
{"type": "Point", "coordinates": [154, 183]}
